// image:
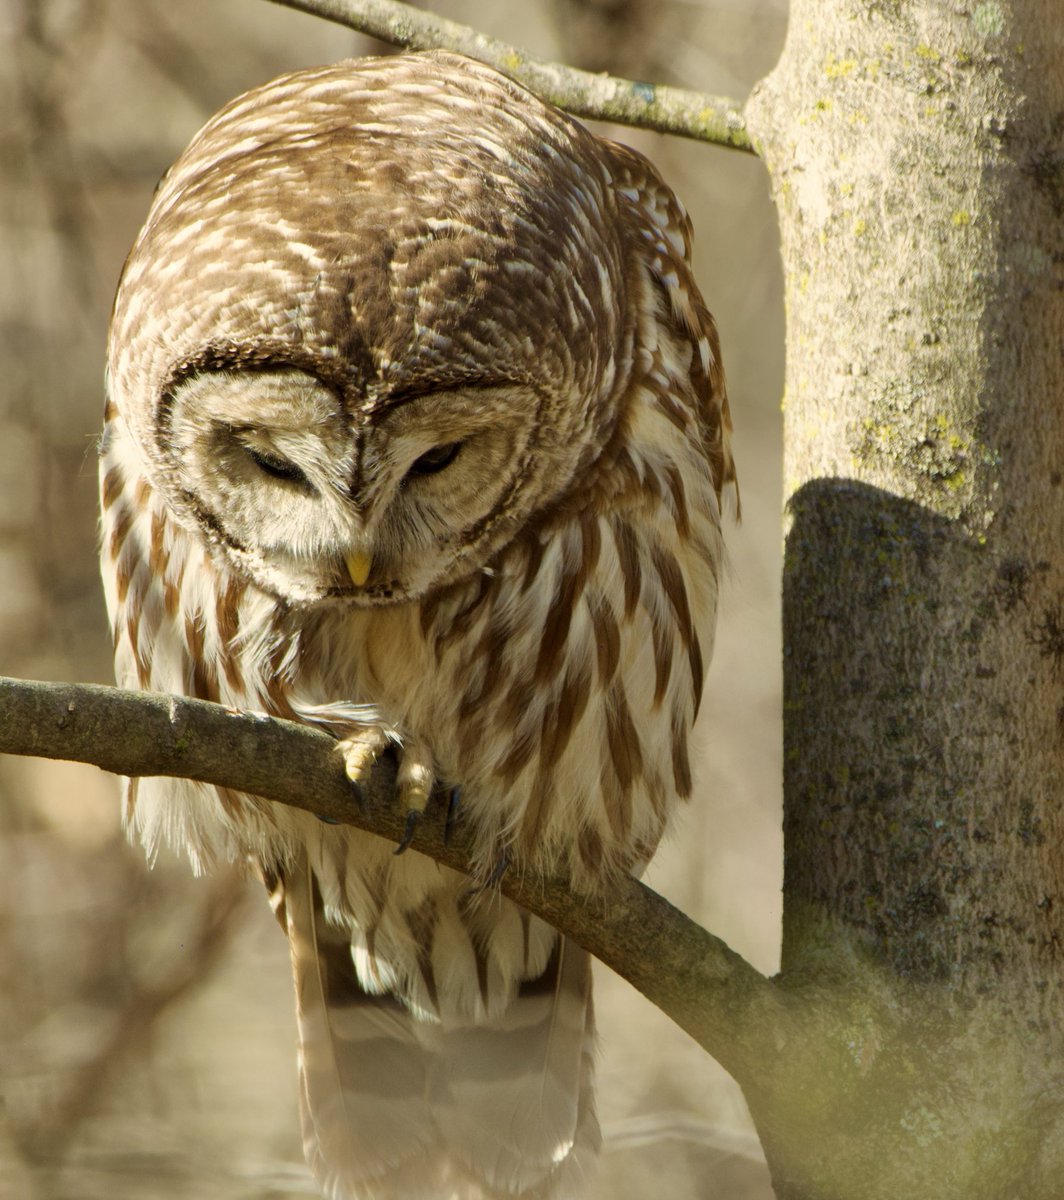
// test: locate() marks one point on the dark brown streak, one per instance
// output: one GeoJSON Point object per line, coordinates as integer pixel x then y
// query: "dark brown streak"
{"type": "Point", "coordinates": [158, 557]}
{"type": "Point", "coordinates": [465, 616]}
{"type": "Point", "coordinates": [171, 596]}
{"type": "Point", "coordinates": [591, 536]}
{"type": "Point", "coordinates": [679, 501]}
{"type": "Point", "coordinates": [681, 766]}
{"type": "Point", "coordinates": [120, 530]}
{"type": "Point", "coordinates": [561, 717]}
{"type": "Point", "coordinates": [625, 754]}
{"type": "Point", "coordinates": [607, 636]}
{"type": "Point", "coordinates": [125, 568]}
{"type": "Point", "coordinates": [526, 933]}
{"type": "Point", "coordinates": [429, 611]}
{"type": "Point", "coordinates": [111, 488]}
{"type": "Point", "coordinates": [227, 618]}
{"type": "Point", "coordinates": [134, 613]}
{"type": "Point", "coordinates": [662, 639]}
{"type": "Point", "coordinates": [589, 845]}
{"type": "Point", "coordinates": [673, 411]}
{"type": "Point", "coordinates": [672, 581]}
{"type": "Point", "coordinates": [628, 556]}
{"type": "Point", "coordinates": [422, 924]}
{"type": "Point", "coordinates": [556, 626]}
{"type": "Point", "coordinates": [480, 957]}
{"type": "Point", "coordinates": [204, 678]}
{"type": "Point", "coordinates": [522, 746]}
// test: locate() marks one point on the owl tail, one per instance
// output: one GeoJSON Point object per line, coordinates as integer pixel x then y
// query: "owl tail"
{"type": "Point", "coordinates": [394, 1108]}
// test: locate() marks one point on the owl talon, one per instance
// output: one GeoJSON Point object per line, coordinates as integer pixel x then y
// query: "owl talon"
{"type": "Point", "coordinates": [413, 820]}
{"type": "Point", "coordinates": [454, 810]}
{"type": "Point", "coordinates": [502, 865]}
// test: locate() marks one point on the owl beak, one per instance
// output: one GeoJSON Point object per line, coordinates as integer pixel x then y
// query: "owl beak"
{"type": "Point", "coordinates": [358, 567]}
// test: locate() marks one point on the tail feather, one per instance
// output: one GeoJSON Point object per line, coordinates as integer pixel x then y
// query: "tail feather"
{"type": "Point", "coordinates": [363, 1074]}
{"type": "Point", "coordinates": [397, 1108]}
{"type": "Point", "coordinates": [509, 1099]}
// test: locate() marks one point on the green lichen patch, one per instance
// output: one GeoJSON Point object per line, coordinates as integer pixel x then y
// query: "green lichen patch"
{"type": "Point", "coordinates": [839, 68]}
{"type": "Point", "coordinates": [932, 451]}
{"type": "Point", "coordinates": [988, 19]}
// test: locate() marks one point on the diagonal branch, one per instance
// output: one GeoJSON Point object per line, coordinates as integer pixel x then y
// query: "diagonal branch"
{"type": "Point", "coordinates": [665, 109]}
{"type": "Point", "coordinates": [705, 987]}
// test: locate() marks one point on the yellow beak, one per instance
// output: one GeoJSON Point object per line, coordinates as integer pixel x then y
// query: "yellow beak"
{"type": "Point", "coordinates": [358, 567]}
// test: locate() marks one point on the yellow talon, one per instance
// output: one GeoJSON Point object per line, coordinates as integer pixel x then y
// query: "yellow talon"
{"type": "Point", "coordinates": [358, 567]}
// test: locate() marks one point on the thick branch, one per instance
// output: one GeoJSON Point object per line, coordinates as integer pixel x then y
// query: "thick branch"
{"type": "Point", "coordinates": [705, 987]}
{"type": "Point", "coordinates": [603, 97]}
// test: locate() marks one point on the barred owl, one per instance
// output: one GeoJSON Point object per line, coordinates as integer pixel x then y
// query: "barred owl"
{"type": "Point", "coordinates": [416, 431]}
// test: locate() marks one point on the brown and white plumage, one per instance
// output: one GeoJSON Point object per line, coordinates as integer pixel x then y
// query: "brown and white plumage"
{"type": "Point", "coordinates": [416, 429]}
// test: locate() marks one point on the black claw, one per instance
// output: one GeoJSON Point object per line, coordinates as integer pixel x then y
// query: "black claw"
{"type": "Point", "coordinates": [502, 865]}
{"type": "Point", "coordinates": [327, 820]}
{"type": "Point", "coordinates": [413, 818]}
{"type": "Point", "coordinates": [454, 807]}
{"type": "Point", "coordinates": [356, 787]}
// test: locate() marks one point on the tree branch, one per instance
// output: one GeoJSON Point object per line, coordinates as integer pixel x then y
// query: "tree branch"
{"type": "Point", "coordinates": [665, 109]}
{"type": "Point", "coordinates": [705, 987]}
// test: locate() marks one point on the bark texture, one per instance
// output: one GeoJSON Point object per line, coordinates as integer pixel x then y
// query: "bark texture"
{"type": "Point", "coordinates": [916, 149]}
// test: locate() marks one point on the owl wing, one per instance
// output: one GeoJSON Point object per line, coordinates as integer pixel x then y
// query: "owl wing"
{"type": "Point", "coordinates": [660, 213]}
{"type": "Point", "coordinates": [395, 1108]}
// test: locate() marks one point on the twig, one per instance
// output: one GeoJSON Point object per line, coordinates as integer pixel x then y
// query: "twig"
{"type": "Point", "coordinates": [665, 109]}
{"type": "Point", "coordinates": [694, 977]}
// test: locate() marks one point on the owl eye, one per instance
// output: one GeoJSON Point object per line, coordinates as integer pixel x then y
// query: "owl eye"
{"type": "Point", "coordinates": [275, 466]}
{"type": "Point", "coordinates": [434, 460]}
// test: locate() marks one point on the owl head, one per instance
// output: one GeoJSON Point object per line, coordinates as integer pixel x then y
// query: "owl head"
{"type": "Point", "coordinates": [381, 317]}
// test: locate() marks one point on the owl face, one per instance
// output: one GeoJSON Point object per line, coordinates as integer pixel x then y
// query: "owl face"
{"type": "Point", "coordinates": [319, 504]}
{"type": "Point", "coordinates": [381, 317]}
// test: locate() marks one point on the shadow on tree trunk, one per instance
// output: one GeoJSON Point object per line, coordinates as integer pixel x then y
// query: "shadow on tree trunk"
{"type": "Point", "coordinates": [922, 1062]}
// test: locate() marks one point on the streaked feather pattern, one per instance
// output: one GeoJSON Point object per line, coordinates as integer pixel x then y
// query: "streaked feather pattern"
{"type": "Point", "coordinates": [400, 313]}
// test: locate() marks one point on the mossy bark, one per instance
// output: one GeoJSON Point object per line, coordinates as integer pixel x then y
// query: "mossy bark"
{"type": "Point", "coordinates": [916, 151]}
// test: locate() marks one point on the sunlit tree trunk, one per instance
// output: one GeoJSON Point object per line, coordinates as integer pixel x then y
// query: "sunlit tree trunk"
{"type": "Point", "coordinates": [916, 151]}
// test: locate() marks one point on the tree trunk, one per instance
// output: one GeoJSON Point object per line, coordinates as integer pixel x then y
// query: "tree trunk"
{"type": "Point", "coordinates": [916, 149]}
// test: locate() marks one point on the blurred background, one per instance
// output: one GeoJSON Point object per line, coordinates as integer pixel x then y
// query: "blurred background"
{"type": "Point", "coordinates": [147, 1042]}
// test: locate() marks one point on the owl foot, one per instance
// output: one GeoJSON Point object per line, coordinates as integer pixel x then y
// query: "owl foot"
{"type": "Point", "coordinates": [413, 819]}
{"type": "Point", "coordinates": [415, 778]}
{"type": "Point", "coordinates": [361, 749]}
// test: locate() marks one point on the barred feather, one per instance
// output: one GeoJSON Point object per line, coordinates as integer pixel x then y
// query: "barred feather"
{"type": "Point", "coordinates": [400, 313]}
